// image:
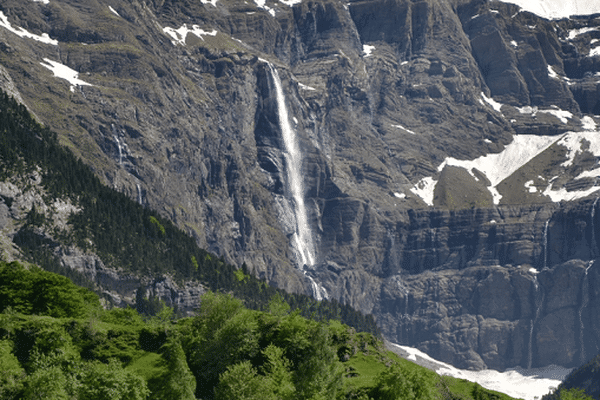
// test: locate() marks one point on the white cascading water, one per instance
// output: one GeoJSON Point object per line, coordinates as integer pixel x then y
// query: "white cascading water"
{"type": "Point", "coordinates": [538, 305]}
{"type": "Point", "coordinates": [593, 245]}
{"type": "Point", "coordinates": [546, 243]}
{"type": "Point", "coordinates": [585, 298]}
{"type": "Point", "coordinates": [302, 241]}
{"type": "Point", "coordinates": [120, 149]}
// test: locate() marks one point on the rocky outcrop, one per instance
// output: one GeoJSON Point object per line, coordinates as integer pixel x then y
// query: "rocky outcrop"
{"type": "Point", "coordinates": [121, 289]}
{"type": "Point", "coordinates": [18, 197]}
{"type": "Point", "coordinates": [181, 115]}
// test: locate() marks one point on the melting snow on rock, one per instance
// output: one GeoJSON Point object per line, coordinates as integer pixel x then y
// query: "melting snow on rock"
{"type": "Point", "coordinates": [44, 37]}
{"type": "Point", "coordinates": [557, 9]}
{"type": "Point", "coordinates": [368, 49]}
{"type": "Point", "coordinates": [180, 34]}
{"type": "Point", "coordinates": [64, 72]}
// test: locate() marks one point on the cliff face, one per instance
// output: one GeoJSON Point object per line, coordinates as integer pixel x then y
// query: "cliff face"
{"type": "Point", "coordinates": [175, 105]}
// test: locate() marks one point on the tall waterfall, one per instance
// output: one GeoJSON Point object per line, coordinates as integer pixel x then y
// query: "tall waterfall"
{"type": "Point", "coordinates": [545, 262]}
{"type": "Point", "coordinates": [538, 301]}
{"type": "Point", "coordinates": [593, 245]}
{"type": "Point", "coordinates": [585, 299]}
{"type": "Point", "coordinates": [302, 240]}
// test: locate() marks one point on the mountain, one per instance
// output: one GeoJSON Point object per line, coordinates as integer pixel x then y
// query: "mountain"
{"type": "Point", "coordinates": [432, 162]}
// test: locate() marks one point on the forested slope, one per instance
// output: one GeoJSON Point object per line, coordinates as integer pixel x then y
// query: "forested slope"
{"type": "Point", "coordinates": [57, 342]}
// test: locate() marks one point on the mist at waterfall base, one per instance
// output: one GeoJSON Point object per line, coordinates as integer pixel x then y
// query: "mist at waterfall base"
{"type": "Point", "coordinates": [520, 383]}
{"type": "Point", "coordinates": [302, 241]}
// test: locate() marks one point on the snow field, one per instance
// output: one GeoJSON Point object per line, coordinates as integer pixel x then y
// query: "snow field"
{"type": "Point", "coordinates": [518, 382]}
{"type": "Point", "coordinates": [62, 71]}
{"type": "Point", "coordinates": [499, 166]}
{"type": "Point", "coordinates": [180, 34]}
{"type": "Point", "coordinates": [557, 9]}
{"type": "Point", "coordinates": [44, 37]}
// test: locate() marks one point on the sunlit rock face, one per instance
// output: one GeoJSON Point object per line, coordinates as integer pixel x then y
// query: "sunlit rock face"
{"type": "Point", "coordinates": [428, 201]}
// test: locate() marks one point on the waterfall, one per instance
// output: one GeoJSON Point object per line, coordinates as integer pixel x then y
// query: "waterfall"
{"type": "Point", "coordinates": [302, 238]}
{"type": "Point", "coordinates": [140, 197]}
{"type": "Point", "coordinates": [120, 149]}
{"type": "Point", "coordinates": [593, 245]}
{"type": "Point", "coordinates": [538, 306]}
{"type": "Point", "coordinates": [301, 241]}
{"type": "Point", "coordinates": [546, 243]}
{"type": "Point", "coordinates": [585, 298]}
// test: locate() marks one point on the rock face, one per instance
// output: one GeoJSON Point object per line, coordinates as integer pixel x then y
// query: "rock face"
{"type": "Point", "coordinates": [19, 196]}
{"type": "Point", "coordinates": [180, 113]}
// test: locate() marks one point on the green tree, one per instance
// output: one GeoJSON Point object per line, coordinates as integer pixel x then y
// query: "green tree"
{"type": "Point", "coordinates": [278, 306]}
{"type": "Point", "coordinates": [276, 369]}
{"type": "Point", "coordinates": [179, 383]}
{"type": "Point", "coordinates": [224, 333]}
{"type": "Point", "coordinates": [100, 381]}
{"type": "Point", "coordinates": [242, 382]}
{"type": "Point", "coordinates": [317, 372]}
{"type": "Point", "coordinates": [400, 383]}
{"type": "Point", "coordinates": [46, 383]}
{"type": "Point", "coordinates": [35, 291]}
{"type": "Point", "coordinates": [574, 394]}
{"type": "Point", "coordinates": [11, 373]}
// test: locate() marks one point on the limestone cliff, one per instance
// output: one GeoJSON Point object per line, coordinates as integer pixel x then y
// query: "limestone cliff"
{"type": "Point", "coordinates": [172, 102]}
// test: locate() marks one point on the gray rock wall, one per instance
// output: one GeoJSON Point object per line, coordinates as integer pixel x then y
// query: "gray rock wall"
{"type": "Point", "coordinates": [189, 128]}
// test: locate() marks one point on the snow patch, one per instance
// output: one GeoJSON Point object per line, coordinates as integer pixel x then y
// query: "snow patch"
{"type": "Point", "coordinates": [588, 123]}
{"type": "Point", "coordinates": [595, 52]}
{"type": "Point", "coordinates": [211, 2]}
{"type": "Point", "coordinates": [262, 4]}
{"type": "Point", "coordinates": [529, 186]}
{"type": "Point", "coordinates": [499, 166]}
{"type": "Point", "coordinates": [563, 195]}
{"type": "Point", "coordinates": [44, 37]}
{"type": "Point", "coordinates": [552, 73]}
{"type": "Point", "coordinates": [305, 87]}
{"type": "Point", "coordinates": [399, 195]}
{"type": "Point", "coordinates": [112, 10]}
{"type": "Point", "coordinates": [557, 9]}
{"type": "Point", "coordinates": [573, 33]}
{"type": "Point", "coordinates": [290, 2]}
{"type": "Point", "coordinates": [514, 43]}
{"type": "Point", "coordinates": [495, 105]}
{"type": "Point", "coordinates": [424, 189]}
{"type": "Point", "coordinates": [368, 49]}
{"type": "Point", "coordinates": [533, 271]}
{"type": "Point", "coordinates": [405, 129]}
{"type": "Point", "coordinates": [573, 142]}
{"type": "Point", "coordinates": [64, 72]}
{"type": "Point", "coordinates": [558, 113]}
{"type": "Point", "coordinates": [42, 1]}
{"type": "Point", "coordinates": [180, 34]}
{"type": "Point", "coordinates": [594, 173]}
{"type": "Point", "coordinates": [521, 383]}
{"type": "Point", "coordinates": [528, 110]}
